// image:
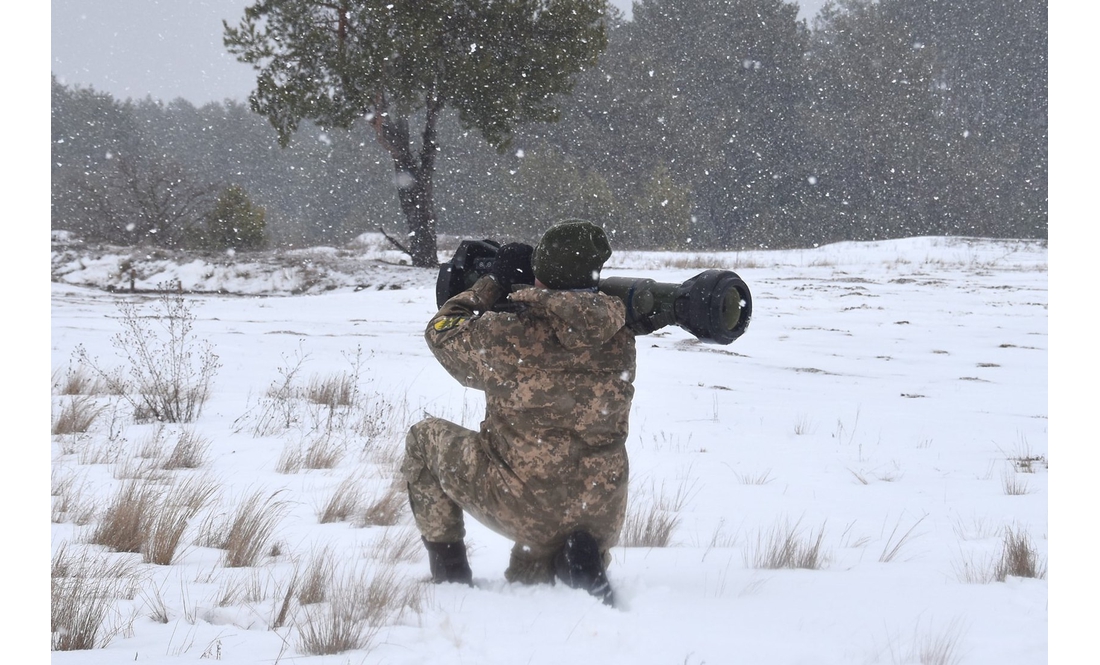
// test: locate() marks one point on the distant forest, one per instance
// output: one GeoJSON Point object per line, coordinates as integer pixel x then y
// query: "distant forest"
{"type": "Point", "coordinates": [706, 125]}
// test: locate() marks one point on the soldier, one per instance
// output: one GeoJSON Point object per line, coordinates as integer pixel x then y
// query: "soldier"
{"type": "Point", "coordinates": [548, 468]}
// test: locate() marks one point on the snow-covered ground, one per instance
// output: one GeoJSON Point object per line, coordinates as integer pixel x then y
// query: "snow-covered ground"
{"type": "Point", "coordinates": [888, 397]}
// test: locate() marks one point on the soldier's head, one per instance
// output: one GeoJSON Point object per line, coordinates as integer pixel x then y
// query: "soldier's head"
{"type": "Point", "coordinates": [570, 255]}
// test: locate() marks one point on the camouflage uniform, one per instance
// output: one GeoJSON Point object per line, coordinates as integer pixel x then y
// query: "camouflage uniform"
{"type": "Point", "coordinates": [550, 456]}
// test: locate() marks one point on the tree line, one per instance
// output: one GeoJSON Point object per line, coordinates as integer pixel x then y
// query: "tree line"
{"type": "Point", "coordinates": [698, 124]}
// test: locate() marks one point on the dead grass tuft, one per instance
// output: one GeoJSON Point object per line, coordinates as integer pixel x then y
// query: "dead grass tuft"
{"type": "Point", "coordinates": [76, 381]}
{"type": "Point", "coordinates": [248, 589]}
{"type": "Point", "coordinates": [77, 415]}
{"type": "Point", "coordinates": [345, 500]}
{"type": "Point", "coordinates": [84, 590]}
{"type": "Point", "coordinates": [784, 546]}
{"type": "Point", "coordinates": [385, 508]}
{"type": "Point", "coordinates": [333, 391]}
{"type": "Point", "coordinates": [652, 525]}
{"type": "Point", "coordinates": [758, 478]}
{"type": "Point", "coordinates": [314, 585]}
{"type": "Point", "coordinates": [398, 546]}
{"type": "Point", "coordinates": [290, 460]}
{"type": "Point", "coordinates": [188, 453]}
{"type": "Point", "coordinates": [931, 647]}
{"type": "Point", "coordinates": [895, 542]}
{"type": "Point", "coordinates": [152, 446]}
{"type": "Point", "coordinates": [1019, 558]}
{"type": "Point", "coordinates": [136, 468]}
{"type": "Point", "coordinates": [69, 504]}
{"type": "Point", "coordinates": [648, 526]}
{"type": "Point", "coordinates": [127, 520]}
{"type": "Point", "coordinates": [1013, 485]}
{"type": "Point", "coordinates": [179, 506]}
{"type": "Point", "coordinates": [248, 532]}
{"type": "Point", "coordinates": [103, 452]}
{"type": "Point", "coordinates": [324, 452]}
{"type": "Point", "coordinates": [360, 603]}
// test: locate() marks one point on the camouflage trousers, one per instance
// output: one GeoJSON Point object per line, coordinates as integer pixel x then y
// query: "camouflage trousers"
{"type": "Point", "coordinates": [450, 470]}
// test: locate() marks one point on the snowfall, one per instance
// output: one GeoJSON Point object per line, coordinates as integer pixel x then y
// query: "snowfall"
{"type": "Point", "coordinates": [888, 402]}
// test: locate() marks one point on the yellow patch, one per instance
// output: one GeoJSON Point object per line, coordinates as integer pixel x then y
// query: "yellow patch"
{"type": "Point", "coordinates": [448, 322]}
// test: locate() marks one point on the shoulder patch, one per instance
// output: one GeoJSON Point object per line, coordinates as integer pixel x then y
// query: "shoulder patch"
{"type": "Point", "coordinates": [448, 322]}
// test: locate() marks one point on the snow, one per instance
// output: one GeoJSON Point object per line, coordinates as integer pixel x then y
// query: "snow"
{"type": "Point", "coordinates": [879, 398]}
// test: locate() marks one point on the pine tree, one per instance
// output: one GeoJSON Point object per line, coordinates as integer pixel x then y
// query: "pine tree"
{"type": "Point", "coordinates": [395, 62]}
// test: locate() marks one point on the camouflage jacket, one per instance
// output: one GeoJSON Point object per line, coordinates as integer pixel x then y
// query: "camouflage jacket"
{"type": "Point", "coordinates": [558, 378]}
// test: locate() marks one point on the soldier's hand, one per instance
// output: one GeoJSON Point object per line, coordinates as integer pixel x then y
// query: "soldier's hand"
{"type": "Point", "coordinates": [513, 265]}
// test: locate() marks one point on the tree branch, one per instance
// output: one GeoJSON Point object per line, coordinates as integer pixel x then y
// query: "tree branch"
{"type": "Point", "coordinates": [393, 241]}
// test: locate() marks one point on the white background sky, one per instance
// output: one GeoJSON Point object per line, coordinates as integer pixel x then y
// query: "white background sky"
{"type": "Point", "coordinates": [162, 48]}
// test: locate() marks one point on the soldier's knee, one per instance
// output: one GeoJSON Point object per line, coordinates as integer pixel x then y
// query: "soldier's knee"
{"type": "Point", "coordinates": [414, 439]}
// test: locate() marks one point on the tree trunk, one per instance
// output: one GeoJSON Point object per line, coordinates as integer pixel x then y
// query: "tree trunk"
{"type": "Point", "coordinates": [413, 176]}
{"type": "Point", "coordinates": [414, 191]}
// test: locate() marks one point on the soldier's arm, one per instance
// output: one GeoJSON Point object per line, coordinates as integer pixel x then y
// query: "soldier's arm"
{"type": "Point", "coordinates": [458, 338]}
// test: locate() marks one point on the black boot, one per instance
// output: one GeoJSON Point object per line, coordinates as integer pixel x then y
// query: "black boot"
{"type": "Point", "coordinates": [448, 563]}
{"type": "Point", "coordinates": [580, 566]}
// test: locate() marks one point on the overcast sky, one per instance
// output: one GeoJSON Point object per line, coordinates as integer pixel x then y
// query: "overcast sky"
{"type": "Point", "coordinates": [161, 48]}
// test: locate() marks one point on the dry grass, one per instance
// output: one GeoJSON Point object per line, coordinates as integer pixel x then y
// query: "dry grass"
{"type": "Point", "coordinates": [335, 390]}
{"type": "Point", "coordinates": [719, 539]}
{"type": "Point", "coordinates": [84, 590]}
{"type": "Point", "coordinates": [171, 368]}
{"type": "Point", "coordinates": [757, 478]}
{"type": "Point", "coordinates": [136, 468]}
{"type": "Point", "coordinates": [971, 570]}
{"type": "Point", "coordinates": [1018, 557]}
{"type": "Point", "coordinates": [1013, 485]}
{"type": "Point", "coordinates": [68, 503]}
{"type": "Point", "coordinates": [895, 542]}
{"type": "Point", "coordinates": [1024, 459]}
{"type": "Point", "coordinates": [102, 452]}
{"type": "Point", "coordinates": [249, 589]}
{"type": "Point", "coordinates": [349, 502]}
{"type": "Point", "coordinates": [178, 507]}
{"type": "Point", "coordinates": [652, 525]}
{"type": "Point", "coordinates": [150, 519]}
{"type": "Point", "coordinates": [188, 453]}
{"type": "Point", "coordinates": [126, 523]}
{"type": "Point", "coordinates": [648, 526]}
{"type": "Point", "coordinates": [398, 546]}
{"type": "Point", "coordinates": [156, 607]}
{"type": "Point", "coordinates": [385, 508]}
{"type": "Point", "coordinates": [931, 647]}
{"type": "Point", "coordinates": [152, 446]}
{"type": "Point", "coordinates": [378, 417]}
{"type": "Point", "coordinates": [248, 532]}
{"type": "Point", "coordinates": [76, 381]}
{"type": "Point", "coordinates": [77, 415]}
{"type": "Point", "coordinates": [360, 603]}
{"type": "Point", "coordinates": [345, 500]}
{"type": "Point", "coordinates": [313, 587]}
{"type": "Point", "coordinates": [784, 546]}
{"type": "Point", "coordinates": [324, 452]}
{"type": "Point", "coordinates": [979, 528]}
{"type": "Point", "coordinates": [386, 453]}
{"type": "Point", "coordinates": [290, 460]}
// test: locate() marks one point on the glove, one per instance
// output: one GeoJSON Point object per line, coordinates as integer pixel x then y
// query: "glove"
{"type": "Point", "coordinates": [513, 265]}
